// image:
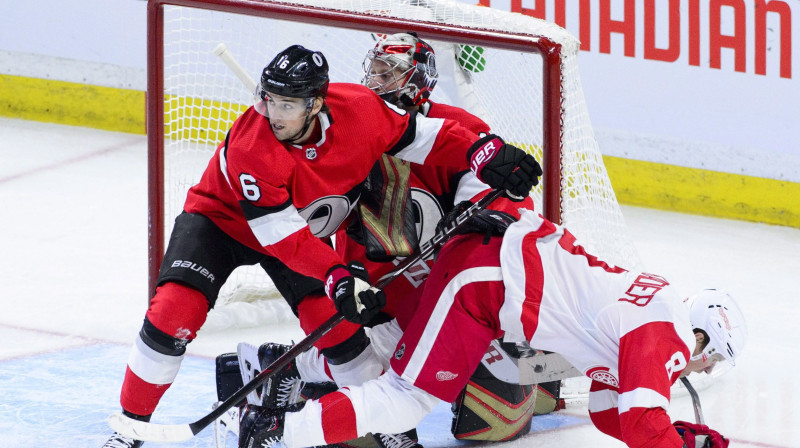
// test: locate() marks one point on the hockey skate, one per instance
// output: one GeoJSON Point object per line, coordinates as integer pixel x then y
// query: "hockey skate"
{"type": "Point", "coordinates": [282, 388]}
{"type": "Point", "coordinates": [263, 427]}
{"type": "Point", "coordinates": [407, 439]}
{"type": "Point", "coordinates": [119, 441]}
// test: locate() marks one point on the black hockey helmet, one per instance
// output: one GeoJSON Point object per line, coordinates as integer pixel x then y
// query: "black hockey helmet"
{"type": "Point", "coordinates": [296, 72]}
{"type": "Point", "coordinates": [413, 64]}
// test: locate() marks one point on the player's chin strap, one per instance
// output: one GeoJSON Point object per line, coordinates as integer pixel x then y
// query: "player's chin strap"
{"type": "Point", "coordinates": [307, 124]}
{"type": "Point", "coordinates": [154, 432]}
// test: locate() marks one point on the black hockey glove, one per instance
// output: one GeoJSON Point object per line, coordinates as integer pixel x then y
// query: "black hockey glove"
{"type": "Point", "coordinates": [487, 222]}
{"type": "Point", "coordinates": [352, 294]}
{"type": "Point", "coordinates": [700, 436]}
{"type": "Point", "coordinates": [504, 166]}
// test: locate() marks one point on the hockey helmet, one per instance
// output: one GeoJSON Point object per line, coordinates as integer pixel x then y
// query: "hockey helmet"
{"type": "Point", "coordinates": [406, 72]}
{"type": "Point", "coordinates": [296, 72]}
{"type": "Point", "coordinates": [717, 314]}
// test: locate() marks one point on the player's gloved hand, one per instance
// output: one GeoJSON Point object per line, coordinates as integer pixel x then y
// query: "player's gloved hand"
{"type": "Point", "coordinates": [352, 294]}
{"type": "Point", "coordinates": [700, 436]}
{"type": "Point", "coordinates": [504, 166]}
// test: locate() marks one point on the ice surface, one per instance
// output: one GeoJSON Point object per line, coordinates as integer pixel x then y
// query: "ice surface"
{"type": "Point", "coordinates": [74, 267]}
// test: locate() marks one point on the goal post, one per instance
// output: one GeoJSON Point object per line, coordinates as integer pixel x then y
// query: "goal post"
{"type": "Point", "coordinates": [517, 73]}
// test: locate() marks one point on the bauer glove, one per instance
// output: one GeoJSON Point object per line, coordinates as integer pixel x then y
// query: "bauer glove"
{"type": "Point", "coordinates": [699, 436]}
{"type": "Point", "coordinates": [352, 294]}
{"type": "Point", "coordinates": [504, 166]}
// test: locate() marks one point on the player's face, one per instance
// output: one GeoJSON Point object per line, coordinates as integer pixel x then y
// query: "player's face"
{"type": "Point", "coordinates": [287, 115]}
{"type": "Point", "coordinates": [383, 77]}
{"type": "Point", "coordinates": [702, 363]}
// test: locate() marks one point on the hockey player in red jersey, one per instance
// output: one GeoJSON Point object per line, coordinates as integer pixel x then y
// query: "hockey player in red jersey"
{"type": "Point", "coordinates": [285, 177]}
{"type": "Point", "coordinates": [628, 331]}
{"type": "Point", "coordinates": [401, 70]}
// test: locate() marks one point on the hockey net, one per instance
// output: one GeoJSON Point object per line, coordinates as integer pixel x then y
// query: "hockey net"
{"type": "Point", "coordinates": [517, 73]}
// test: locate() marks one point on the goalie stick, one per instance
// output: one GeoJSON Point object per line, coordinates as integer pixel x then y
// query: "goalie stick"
{"type": "Point", "coordinates": [155, 432]}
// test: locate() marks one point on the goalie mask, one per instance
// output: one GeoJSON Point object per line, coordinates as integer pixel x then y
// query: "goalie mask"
{"type": "Point", "coordinates": [401, 69]}
{"type": "Point", "coordinates": [716, 313]}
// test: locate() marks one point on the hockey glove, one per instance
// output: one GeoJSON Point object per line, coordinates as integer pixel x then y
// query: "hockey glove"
{"type": "Point", "coordinates": [700, 436]}
{"type": "Point", "coordinates": [351, 293]}
{"type": "Point", "coordinates": [487, 222]}
{"type": "Point", "coordinates": [504, 166]}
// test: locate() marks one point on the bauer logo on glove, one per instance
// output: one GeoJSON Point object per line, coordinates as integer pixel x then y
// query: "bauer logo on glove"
{"type": "Point", "coordinates": [484, 154]}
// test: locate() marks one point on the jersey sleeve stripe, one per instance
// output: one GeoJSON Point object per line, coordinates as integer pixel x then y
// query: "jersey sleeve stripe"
{"type": "Point", "coordinates": [641, 398]}
{"type": "Point", "coordinates": [418, 140]}
{"type": "Point", "coordinates": [223, 159]}
{"type": "Point", "coordinates": [602, 400]}
{"type": "Point", "coordinates": [440, 313]}
{"type": "Point", "coordinates": [254, 211]}
{"type": "Point", "coordinates": [272, 228]}
{"type": "Point", "coordinates": [469, 186]}
{"type": "Point", "coordinates": [408, 135]}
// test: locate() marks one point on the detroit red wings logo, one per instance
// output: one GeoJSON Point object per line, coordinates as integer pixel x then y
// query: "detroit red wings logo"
{"type": "Point", "coordinates": [444, 375]}
{"type": "Point", "coordinates": [603, 375]}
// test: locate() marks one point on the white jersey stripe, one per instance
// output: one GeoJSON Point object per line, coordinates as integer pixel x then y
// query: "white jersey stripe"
{"type": "Point", "coordinates": [223, 164]}
{"type": "Point", "coordinates": [426, 131]}
{"type": "Point", "coordinates": [468, 186]}
{"type": "Point", "coordinates": [602, 400]}
{"type": "Point", "coordinates": [642, 398]}
{"type": "Point", "coordinates": [271, 228]}
{"type": "Point", "coordinates": [440, 312]}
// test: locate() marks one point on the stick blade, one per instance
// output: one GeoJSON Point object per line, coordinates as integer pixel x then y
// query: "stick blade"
{"type": "Point", "coordinates": [149, 432]}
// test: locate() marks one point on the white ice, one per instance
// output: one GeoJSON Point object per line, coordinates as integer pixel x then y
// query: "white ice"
{"type": "Point", "coordinates": [74, 267]}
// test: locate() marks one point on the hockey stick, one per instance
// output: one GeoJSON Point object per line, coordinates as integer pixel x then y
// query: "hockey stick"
{"type": "Point", "coordinates": [154, 432]}
{"type": "Point", "coordinates": [222, 52]}
{"type": "Point", "coordinates": [698, 411]}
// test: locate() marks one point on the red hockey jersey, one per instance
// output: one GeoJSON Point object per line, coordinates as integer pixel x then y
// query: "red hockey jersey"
{"type": "Point", "coordinates": [280, 198]}
{"type": "Point", "coordinates": [434, 190]}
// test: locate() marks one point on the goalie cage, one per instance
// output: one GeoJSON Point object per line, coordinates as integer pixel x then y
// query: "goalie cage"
{"type": "Point", "coordinates": [517, 73]}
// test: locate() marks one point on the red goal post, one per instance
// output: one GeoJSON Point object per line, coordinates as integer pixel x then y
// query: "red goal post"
{"type": "Point", "coordinates": [517, 73]}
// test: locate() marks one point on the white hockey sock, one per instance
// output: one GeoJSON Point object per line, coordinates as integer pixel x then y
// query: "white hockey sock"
{"type": "Point", "coordinates": [311, 365]}
{"type": "Point", "coordinates": [383, 337]}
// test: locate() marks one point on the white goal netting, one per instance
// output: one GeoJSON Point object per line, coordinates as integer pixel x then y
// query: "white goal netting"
{"type": "Point", "coordinates": [490, 63]}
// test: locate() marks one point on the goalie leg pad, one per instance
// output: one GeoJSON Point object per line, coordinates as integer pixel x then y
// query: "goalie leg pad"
{"type": "Point", "coordinates": [548, 398]}
{"type": "Point", "coordinates": [492, 410]}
